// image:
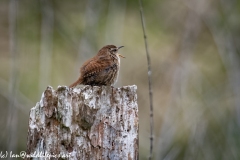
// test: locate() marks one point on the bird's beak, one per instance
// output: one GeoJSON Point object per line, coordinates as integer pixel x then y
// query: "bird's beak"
{"type": "Point", "coordinates": [120, 47]}
{"type": "Point", "coordinates": [120, 54]}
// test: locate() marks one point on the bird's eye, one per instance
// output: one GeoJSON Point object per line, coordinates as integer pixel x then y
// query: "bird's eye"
{"type": "Point", "coordinates": [114, 49]}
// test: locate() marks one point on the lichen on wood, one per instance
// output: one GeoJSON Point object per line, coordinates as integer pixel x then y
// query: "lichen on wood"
{"type": "Point", "coordinates": [89, 122]}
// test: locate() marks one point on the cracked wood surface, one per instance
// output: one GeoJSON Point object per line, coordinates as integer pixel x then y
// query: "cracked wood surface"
{"type": "Point", "coordinates": [86, 123]}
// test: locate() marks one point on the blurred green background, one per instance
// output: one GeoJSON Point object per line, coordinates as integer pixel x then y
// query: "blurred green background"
{"type": "Point", "coordinates": [195, 51]}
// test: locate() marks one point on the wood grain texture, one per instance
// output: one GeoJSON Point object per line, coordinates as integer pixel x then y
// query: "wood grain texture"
{"type": "Point", "coordinates": [86, 123]}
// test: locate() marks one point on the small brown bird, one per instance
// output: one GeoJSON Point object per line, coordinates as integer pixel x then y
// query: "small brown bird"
{"type": "Point", "coordinates": [102, 69]}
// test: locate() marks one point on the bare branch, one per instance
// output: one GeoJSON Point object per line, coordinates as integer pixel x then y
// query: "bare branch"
{"type": "Point", "coordinates": [12, 112]}
{"type": "Point", "coordinates": [46, 44]}
{"type": "Point", "coordinates": [149, 80]}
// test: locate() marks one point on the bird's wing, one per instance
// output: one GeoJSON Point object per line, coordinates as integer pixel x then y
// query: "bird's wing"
{"type": "Point", "coordinates": [93, 67]}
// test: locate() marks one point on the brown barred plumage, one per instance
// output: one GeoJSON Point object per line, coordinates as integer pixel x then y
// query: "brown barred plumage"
{"type": "Point", "coordinates": [102, 69]}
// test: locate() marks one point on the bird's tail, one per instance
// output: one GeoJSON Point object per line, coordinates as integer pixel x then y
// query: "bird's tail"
{"type": "Point", "coordinates": [79, 81]}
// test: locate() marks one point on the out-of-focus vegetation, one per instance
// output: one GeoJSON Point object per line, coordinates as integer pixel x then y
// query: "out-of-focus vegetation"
{"type": "Point", "coordinates": [195, 51]}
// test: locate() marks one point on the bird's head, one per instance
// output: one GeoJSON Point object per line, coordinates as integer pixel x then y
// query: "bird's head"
{"type": "Point", "coordinates": [112, 49]}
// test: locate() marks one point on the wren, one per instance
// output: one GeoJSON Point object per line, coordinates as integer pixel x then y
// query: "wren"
{"type": "Point", "coordinates": [102, 69]}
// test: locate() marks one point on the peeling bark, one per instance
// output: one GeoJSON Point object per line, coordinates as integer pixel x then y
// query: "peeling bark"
{"type": "Point", "coordinates": [85, 123]}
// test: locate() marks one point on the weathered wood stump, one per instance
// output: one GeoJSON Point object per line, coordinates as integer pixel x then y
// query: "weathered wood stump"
{"type": "Point", "coordinates": [85, 123]}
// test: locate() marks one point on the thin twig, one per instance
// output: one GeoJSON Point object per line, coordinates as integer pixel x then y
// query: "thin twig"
{"type": "Point", "coordinates": [149, 80]}
{"type": "Point", "coordinates": [46, 48]}
{"type": "Point", "coordinates": [12, 122]}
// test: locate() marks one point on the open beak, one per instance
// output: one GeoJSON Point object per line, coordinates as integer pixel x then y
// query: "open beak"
{"type": "Point", "coordinates": [120, 54]}
{"type": "Point", "coordinates": [120, 47]}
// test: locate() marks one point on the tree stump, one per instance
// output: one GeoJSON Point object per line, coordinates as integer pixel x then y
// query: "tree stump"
{"type": "Point", "coordinates": [85, 123]}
